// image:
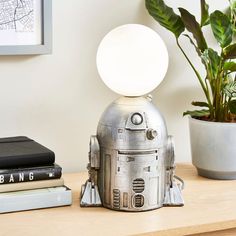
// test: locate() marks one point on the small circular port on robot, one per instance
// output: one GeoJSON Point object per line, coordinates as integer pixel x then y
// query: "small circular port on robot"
{"type": "Point", "coordinates": [137, 119]}
{"type": "Point", "coordinates": [151, 134]}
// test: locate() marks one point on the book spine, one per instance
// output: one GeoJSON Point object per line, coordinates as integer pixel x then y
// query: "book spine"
{"type": "Point", "coordinates": [28, 160]}
{"type": "Point", "coordinates": [35, 199]}
{"type": "Point", "coordinates": [31, 174]}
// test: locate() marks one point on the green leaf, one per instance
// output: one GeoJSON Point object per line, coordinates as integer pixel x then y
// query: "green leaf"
{"type": "Point", "coordinates": [193, 26]}
{"type": "Point", "coordinates": [232, 106]}
{"type": "Point", "coordinates": [222, 28]}
{"type": "Point", "coordinates": [230, 66]}
{"type": "Point", "coordinates": [195, 46]}
{"type": "Point", "coordinates": [230, 89]}
{"type": "Point", "coordinates": [197, 113]}
{"type": "Point", "coordinates": [165, 16]}
{"type": "Point", "coordinates": [232, 14]}
{"type": "Point", "coordinates": [205, 19]}
{"type": "Point", "coordinates": [200, 104]}
{"type": "Point", "coordinates": [212, 61]}
{"type": "Point", "coordinates": [230, 52]}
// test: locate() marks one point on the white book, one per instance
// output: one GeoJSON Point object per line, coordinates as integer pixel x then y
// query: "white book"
{"type": "Point", "coordinates": [35, 199]}
{"type": "Point", "coordinates": [31, 185]}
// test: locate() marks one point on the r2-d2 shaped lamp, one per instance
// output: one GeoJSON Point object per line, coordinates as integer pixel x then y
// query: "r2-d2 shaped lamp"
{"type": "Point", "coordinates": [131, 159]}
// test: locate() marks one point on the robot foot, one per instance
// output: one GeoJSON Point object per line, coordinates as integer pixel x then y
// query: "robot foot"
{"type": "Point", "coordinates": [89, 195]}
{"type": "Point", "coordinates": [173, 195]}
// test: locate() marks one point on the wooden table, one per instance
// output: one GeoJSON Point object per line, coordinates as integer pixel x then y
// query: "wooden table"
{"type": "Point", "coordinates": [209, 206]}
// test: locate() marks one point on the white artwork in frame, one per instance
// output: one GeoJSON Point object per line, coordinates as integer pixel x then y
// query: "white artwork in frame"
{"type": "Point", "coordinates": [25, 27]}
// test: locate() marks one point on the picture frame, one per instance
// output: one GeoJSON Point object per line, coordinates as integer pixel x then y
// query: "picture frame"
{"type": "Point", "coordinates": [45, 46]}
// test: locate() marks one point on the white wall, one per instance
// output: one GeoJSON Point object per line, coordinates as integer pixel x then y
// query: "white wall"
{"type": "Point", "coordinates": [57, 99]}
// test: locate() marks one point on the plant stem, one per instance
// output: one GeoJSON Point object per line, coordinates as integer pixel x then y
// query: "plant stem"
{"type": "Point", "coordinates": [205, 90]}
{"type": "Point", "coordinates": [226, 108]}
{"type": "Point", "coordinates": [219, 99]}
{"type": "Point", "coordinates": [228, 113]}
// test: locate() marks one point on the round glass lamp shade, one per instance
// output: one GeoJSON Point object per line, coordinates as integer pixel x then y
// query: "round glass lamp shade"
{"type": "Point", "coordinates": [132, 60]}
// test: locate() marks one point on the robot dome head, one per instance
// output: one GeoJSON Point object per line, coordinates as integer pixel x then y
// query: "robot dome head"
{"type": "Point", "coordinates": [132, 60]}
{"type": "Point", "coordinates": [126, 119]}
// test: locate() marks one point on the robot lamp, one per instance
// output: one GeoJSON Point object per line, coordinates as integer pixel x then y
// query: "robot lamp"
{"type": "Point", "coordinates": [131, 159]}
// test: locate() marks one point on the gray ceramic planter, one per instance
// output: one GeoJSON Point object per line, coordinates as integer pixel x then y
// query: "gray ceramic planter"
{"type": "Point", "coordinates": [213, 147]}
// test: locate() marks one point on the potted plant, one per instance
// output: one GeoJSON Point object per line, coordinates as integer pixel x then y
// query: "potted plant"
{"type": "Point", "coordinates": [212, 127]}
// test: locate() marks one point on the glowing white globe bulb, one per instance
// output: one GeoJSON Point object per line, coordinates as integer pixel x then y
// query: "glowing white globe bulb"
{"type": "Point", "coordinates": [132, 60]}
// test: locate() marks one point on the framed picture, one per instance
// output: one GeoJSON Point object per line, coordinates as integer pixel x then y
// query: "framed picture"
{"type": "Point", "coordinates": [25, 27]}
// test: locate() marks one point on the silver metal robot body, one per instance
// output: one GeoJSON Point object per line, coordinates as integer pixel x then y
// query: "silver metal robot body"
{"type": "Point", "coordinates": [131, 165]}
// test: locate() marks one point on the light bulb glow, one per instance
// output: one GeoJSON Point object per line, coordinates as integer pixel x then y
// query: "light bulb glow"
{"type": "Point", "coordinates": [132, 60]}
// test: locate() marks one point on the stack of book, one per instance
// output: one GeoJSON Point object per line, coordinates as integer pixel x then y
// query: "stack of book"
{"type": "Point", "coordinates": [29, 177]}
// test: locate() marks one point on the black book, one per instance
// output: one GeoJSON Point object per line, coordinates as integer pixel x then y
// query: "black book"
{"type": "Point", "coordinates": [27, 174]}
{"type": "Point", "coordinates": [22, 151]}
